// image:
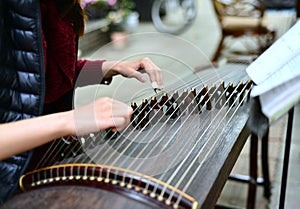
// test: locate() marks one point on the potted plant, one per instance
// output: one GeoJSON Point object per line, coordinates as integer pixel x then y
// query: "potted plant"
{"type": "Point", "coordinates": [95, 9]}
{"type": "Point", "coordinates": [116, 12]}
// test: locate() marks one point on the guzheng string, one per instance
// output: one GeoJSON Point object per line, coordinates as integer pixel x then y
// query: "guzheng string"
{"type": "Point", "coordinates": [52, 151]}
{"type": "Point", "coordinates": [140, 132]}
{"type": "Point", "coordinates": [148, 122]}
{"type": "Point", "coordinates": [190, 118]}
{"type": "Point", "coordinates": [188, 184]}
{"type": "Point", "coordinates": [175, 173]}
{"type": "Point", "coordinates": [211, 148]}
{"type": "Point", "coordinates": [166, 131]}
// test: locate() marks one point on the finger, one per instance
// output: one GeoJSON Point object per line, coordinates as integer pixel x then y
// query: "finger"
{"type": "Point", "coordinates": [159, 79]}
{"type": "Point", "coordinates": [154, 73]}
{"type": "Point", "coordinates": [156, 78]}
{"type": "Point", "coordinates": [120, 123]}
{"type": "Point", "coordinates": [139, 76]}
{"type": "Point", "coordinates": [119, 109]}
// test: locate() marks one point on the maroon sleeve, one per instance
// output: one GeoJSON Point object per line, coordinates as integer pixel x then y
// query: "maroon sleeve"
{"type": "Point", "coordinates": [89, 72]}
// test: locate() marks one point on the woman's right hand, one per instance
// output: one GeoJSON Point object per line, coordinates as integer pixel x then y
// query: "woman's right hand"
{"type": "Point", "coordinates": [100, 115]}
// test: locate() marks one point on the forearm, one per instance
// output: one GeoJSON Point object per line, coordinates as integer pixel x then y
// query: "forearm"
{"type": "Point", "coordinates": [20, 136]}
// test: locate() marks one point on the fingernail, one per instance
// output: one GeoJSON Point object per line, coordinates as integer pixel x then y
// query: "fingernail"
{"type": "Point", "coordinates": [154, 85]}
{"type": "Point", "coordinates": [143, 79]}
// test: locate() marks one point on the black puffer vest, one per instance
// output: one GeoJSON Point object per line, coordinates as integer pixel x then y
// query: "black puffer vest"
{"type": "Point", "coordinates": [22, 85]}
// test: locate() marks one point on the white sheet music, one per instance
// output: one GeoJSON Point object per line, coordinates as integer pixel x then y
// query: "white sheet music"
{"type": "Point", "coordinates": [278, 101]}
{"type": "Point", "coordinates": [279, 76]}
{"type": "Point", "coordinates": [276, 74]}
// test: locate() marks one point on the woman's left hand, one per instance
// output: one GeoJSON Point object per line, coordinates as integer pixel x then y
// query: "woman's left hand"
{"type": "Point", "coordinates": [132, 68]}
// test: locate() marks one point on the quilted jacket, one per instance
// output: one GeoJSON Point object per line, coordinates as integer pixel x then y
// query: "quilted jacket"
{"type": "Point", "coordinates": [22, 85]}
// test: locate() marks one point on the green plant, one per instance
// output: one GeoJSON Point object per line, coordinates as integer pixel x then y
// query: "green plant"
{"type": "Point", "coordinates": [116, 11]}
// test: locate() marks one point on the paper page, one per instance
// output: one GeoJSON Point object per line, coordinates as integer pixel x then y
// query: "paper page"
{"type": "Point", "coordinates": [278, 101]}
{"type": "Point", "coordinates": [278, 55]}
{"type": "Point", "coordinates": [281, 75]}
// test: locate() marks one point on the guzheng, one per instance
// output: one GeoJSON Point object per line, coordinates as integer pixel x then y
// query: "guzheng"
{"type": "Point", "coordinates": [176, 153]}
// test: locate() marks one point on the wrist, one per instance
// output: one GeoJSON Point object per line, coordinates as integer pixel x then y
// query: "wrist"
{"type": "Point", "coordinates": [109, 69]}
{"type": "Point", "coordinates": [66, 124]}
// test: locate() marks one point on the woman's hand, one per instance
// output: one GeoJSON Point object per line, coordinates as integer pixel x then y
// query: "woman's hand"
{"type": "Point", "coordinates": [102, 114]}
{"type": "Point", "coordinates": [99, 115]}
{"type": "Point", "coordinates": [131, 69]}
